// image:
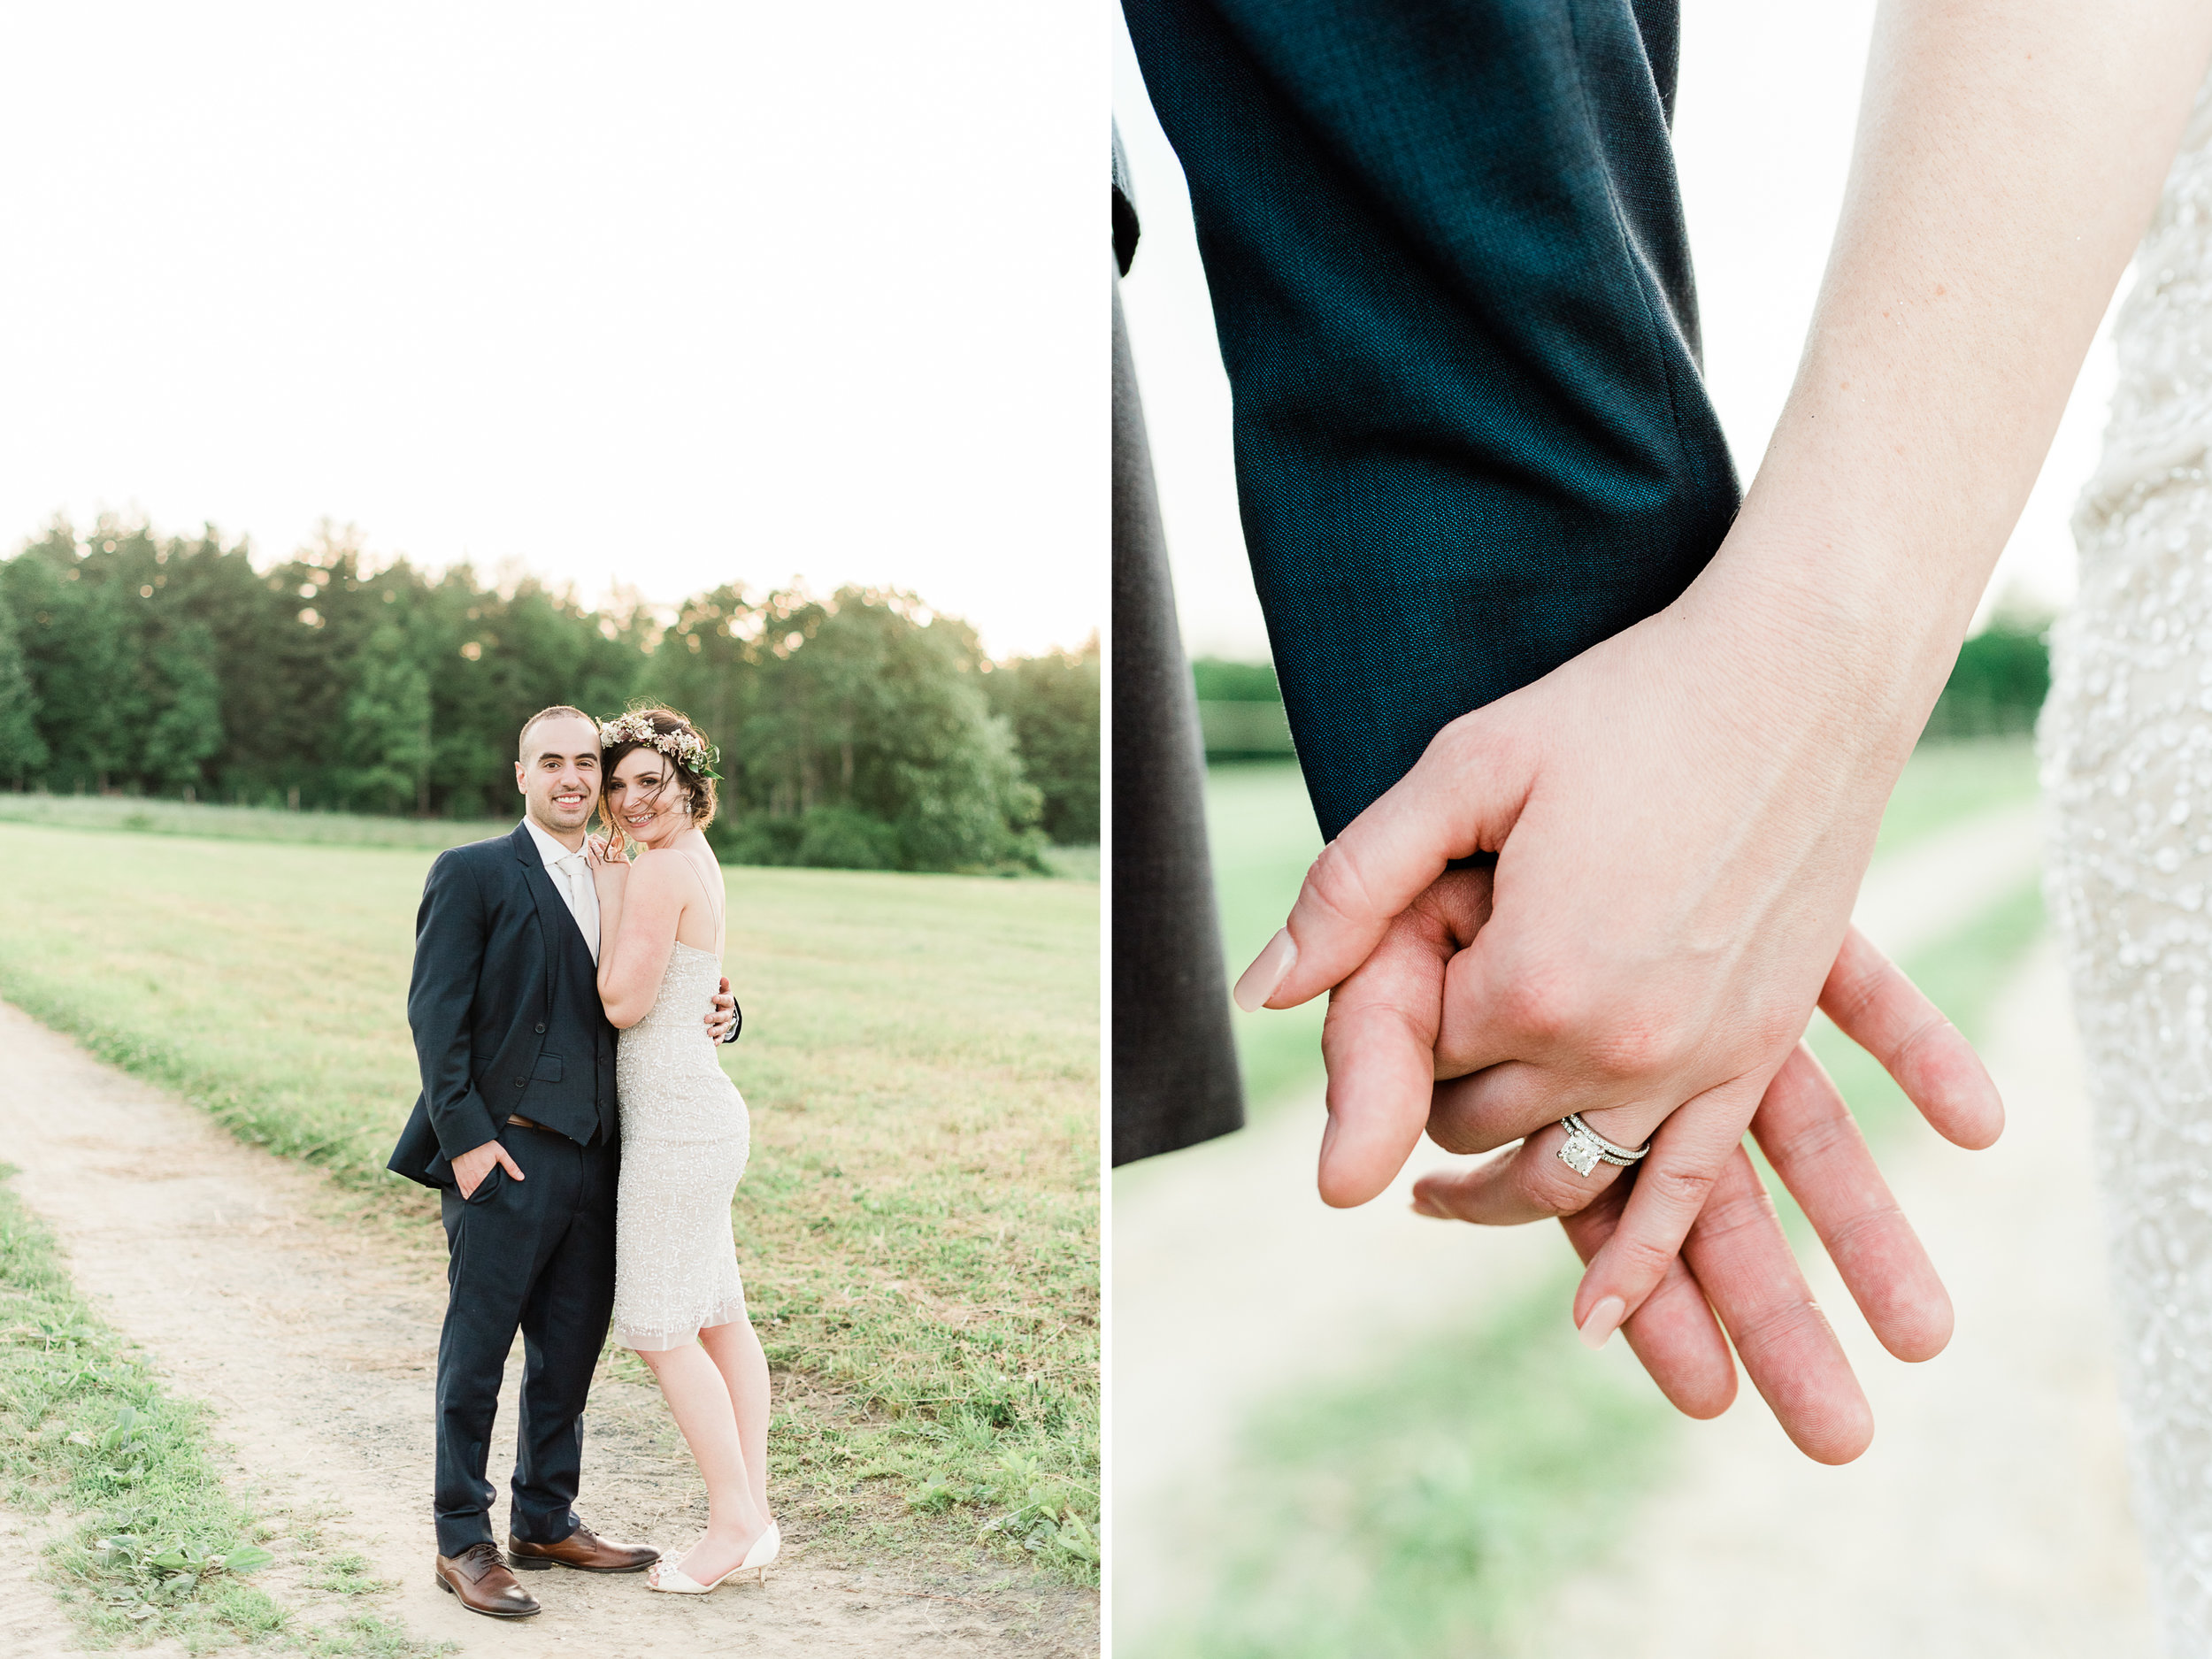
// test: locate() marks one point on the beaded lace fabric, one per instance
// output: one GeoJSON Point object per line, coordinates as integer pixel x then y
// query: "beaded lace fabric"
{"type": "Point", "coordinates": [2127, 767]}
{"type": "Point", "coordinates": [685, 1138]}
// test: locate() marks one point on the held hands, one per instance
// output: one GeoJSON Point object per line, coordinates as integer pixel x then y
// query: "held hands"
{"type": "Point", "coordinates": [473, 1166]}
{"type": "Point", "coordinates": [1681, 823]}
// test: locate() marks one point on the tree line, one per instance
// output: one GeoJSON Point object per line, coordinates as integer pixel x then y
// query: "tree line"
{"type": "Point", "coordinates": [1996, 688]}
{"type": "Point", "coordinates": [859, 730]}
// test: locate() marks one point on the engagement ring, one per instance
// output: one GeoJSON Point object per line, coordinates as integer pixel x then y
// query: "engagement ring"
{"type": "Point", "coordinates": [1585, 1149]}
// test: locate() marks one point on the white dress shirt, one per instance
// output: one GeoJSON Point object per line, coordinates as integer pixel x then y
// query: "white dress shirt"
{"type": "Point", "coordinates": [571, 877]}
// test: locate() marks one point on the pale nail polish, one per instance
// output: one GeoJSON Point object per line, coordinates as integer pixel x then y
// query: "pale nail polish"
{"type": "Point", "coordinates": [1267, 972]}
{"type": "Point", "coordinates": [1422, 1207]}
{"type": "Point", "coordinates": [1604, 1319]}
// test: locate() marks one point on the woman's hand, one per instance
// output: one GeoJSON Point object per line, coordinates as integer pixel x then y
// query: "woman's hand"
{"type": "Point", "coordinates": [610, 867]}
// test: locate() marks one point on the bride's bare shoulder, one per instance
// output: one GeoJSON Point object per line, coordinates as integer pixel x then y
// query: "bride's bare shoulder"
{"type": "Point", "coordinates": [653, 864]}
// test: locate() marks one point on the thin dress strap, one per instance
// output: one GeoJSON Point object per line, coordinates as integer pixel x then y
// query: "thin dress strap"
{"type": "Point", "coordinates": [721, 925]}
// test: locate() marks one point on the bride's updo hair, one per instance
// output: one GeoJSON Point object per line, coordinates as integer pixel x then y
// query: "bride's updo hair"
{"type": "Point", "coordinates": [691, 758]}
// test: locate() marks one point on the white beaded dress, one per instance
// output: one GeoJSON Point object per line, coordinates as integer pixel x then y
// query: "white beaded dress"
{"type": "Point", "coordinates": [2126, 742]}
{"type": "Point", "coordinates": [685, 1138]}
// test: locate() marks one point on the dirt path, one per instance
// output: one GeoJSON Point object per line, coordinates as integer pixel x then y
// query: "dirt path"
{"type": "Point", "coordinates": [1234, 1284]}
{"type": "Point", "coordinates": [314, 1340]}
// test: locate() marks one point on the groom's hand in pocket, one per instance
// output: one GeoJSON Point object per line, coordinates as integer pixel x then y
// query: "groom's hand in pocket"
{"type": "Point", "coordinates": [470, 1167]}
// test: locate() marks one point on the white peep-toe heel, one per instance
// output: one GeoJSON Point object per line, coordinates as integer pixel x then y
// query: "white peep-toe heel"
{"type": "Point", "coordinates": [673, 1580]}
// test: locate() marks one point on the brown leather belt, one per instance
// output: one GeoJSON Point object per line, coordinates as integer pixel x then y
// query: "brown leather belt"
{"type": "Point", "coordinates": [520, 1122]}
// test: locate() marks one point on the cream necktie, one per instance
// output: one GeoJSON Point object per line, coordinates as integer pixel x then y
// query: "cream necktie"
{"type": "Point", "coordinates": [574, 875]}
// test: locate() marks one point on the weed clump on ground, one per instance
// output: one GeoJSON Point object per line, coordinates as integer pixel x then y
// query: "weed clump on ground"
{"type": "Point", "coordinates": [161, 1548]}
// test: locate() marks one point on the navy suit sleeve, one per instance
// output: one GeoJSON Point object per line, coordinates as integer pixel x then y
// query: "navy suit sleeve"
{"type": "Point", "coordinates": [450, 928]}
{"type": "Point", "coordinates": [1451, 278]}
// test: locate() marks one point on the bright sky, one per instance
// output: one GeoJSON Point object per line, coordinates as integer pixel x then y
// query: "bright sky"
{"type": "Point", "coordinates": [663, 295]}
{"type": "Point", "coordinates": [1768, 98]}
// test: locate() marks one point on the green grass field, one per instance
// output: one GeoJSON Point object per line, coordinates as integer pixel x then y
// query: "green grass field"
{"type": "Point", "coordinates": [1262, 834]}
{"type": "Point", "coordinates": [142, 816]}
{"type": "Point", "coordinates": [918, 1227]}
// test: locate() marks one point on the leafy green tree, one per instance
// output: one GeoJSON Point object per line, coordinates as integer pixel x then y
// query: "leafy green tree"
{"type": "Point", "coordinates": [22, 751]}
{"type": "Point", "coordinates": [187, 726]}
{"type": "Point", "coordinates": [1998, 684]}
{"type": "Point", "coordinates": [859, 730]}
{"type": "Point", "coordinates": [388, 723]}
{"type": "Point", "coordinates": [1052, 703]}
{"type": "Point", "coordinates": [75, 638]}
{"type": "Point", "coordinates": [870, 704]}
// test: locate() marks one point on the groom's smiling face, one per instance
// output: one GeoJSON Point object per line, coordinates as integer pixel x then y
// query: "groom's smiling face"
{"type": "Point", "coordinates": [557, 773]}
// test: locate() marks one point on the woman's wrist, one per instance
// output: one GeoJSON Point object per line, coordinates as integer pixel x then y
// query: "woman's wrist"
{"type": "Point", "coordinates": [1849, 623]}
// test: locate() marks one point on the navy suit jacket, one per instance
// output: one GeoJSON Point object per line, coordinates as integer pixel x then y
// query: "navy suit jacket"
{"type": "Point", "coordinates": [504, 1008]}
{"type": "Point", "coordinates": [1452, 284]}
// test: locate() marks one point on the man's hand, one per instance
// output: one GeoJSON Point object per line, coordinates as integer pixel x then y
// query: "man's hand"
{"type": "Point", "coordinates": [723, 1015]}
{"type": "Point", "coordinates": [474, 1164]}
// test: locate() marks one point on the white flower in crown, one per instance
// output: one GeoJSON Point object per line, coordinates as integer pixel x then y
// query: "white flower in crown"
{"type": "Point", "coordinates": [638, 729]}
{"type": "Point", "coordinates": [630, 727]}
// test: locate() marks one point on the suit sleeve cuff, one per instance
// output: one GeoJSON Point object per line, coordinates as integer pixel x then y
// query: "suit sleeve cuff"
{"type": "Point", "coordinates": [465, 1125]}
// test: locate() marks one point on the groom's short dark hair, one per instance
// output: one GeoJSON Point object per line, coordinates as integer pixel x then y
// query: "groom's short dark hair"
{"type": "Point", "coordinates": [558, 711]}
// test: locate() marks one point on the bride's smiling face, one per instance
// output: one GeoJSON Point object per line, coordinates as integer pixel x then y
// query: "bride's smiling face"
{"type": "Point", "coordinates": [645, 798]}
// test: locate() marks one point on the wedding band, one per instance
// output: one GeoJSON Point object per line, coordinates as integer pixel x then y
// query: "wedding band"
{"type": "Point", "coordinates": [1585, 1149]}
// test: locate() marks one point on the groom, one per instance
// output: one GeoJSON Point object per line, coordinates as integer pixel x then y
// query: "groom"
{"type": "Point", "coordinates": [516, 1125]}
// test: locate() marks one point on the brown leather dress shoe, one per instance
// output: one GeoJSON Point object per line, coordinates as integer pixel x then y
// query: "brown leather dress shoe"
{"type": "Point", "coordinates": [481, 1580]}
{"type": "Point", "coordinates": [582, 1549]}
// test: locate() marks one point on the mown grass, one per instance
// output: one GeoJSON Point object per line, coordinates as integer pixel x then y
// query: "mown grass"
{"type": "Point", "coordinates": [146, 815]}
{"type": "Point", "coordinates": [141, 815]}
{"type": "Point", "coordinates": [158, 1545]}
{"type": "Point", "coordinates": [1419, 1510]}
{"type": "Point", "coordinates": [918, 1227]}
{"type": "Point", "coordinates": [84, 1424]}
{"type": "Point", "coordinates": [1263, 833]}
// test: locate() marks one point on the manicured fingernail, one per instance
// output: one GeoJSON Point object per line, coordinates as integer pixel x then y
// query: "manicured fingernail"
{"type": "Point", "coordinates": [1604, 1319]}
{"type": "Point", "coordinates": [1424, 1207]}
{"type": "Point", "coordinates": [1267, 971]}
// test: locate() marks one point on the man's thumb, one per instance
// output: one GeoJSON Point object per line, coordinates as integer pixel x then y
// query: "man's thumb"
{"type": "Point", "coordinates": [1461, 798]}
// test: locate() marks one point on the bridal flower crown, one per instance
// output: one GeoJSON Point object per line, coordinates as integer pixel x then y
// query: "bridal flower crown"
{"type": "Point", "coordinates": [685, 746]}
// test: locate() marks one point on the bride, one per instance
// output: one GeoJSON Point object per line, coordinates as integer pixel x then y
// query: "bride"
{"type": "Point", "coordinates": [2127, 756]}
{"type": "Point", "coordinates": [677, 1299]}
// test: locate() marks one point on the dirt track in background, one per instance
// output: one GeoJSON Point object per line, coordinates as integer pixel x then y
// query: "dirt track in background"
{"type": "Point", "coordinates": [314, 1342]}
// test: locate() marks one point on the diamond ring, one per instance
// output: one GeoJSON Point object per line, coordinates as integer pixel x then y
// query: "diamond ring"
{"type": "Point", "coordinates": [1585, 1149]}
